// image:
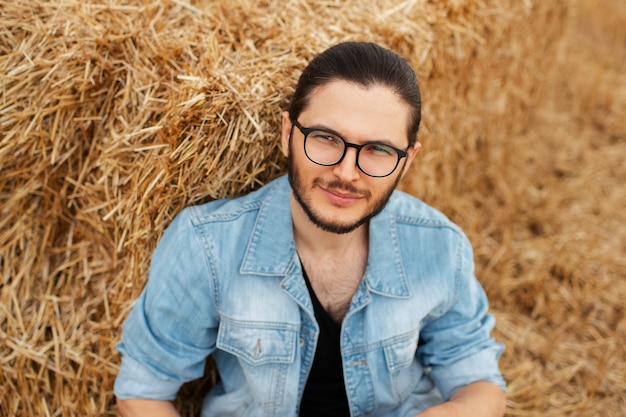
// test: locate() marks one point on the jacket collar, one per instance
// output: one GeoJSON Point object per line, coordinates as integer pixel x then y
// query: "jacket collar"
{"type": "Point", "coordinates": [271, 249]}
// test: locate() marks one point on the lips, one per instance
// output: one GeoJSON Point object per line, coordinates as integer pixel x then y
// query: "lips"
{"type": "Point", "coordinates": [339, 193]}
{"type": "Point", "coordinates": [340, 198]}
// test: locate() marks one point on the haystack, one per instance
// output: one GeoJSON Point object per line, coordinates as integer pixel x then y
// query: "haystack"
{"type": "Point", "coordinates": [115, 115]}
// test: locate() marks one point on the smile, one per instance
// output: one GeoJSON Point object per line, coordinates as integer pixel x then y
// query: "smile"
{"type": "Point", "coordinates": [340, 198]}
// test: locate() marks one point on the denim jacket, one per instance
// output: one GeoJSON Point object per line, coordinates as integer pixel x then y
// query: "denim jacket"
{"type": "Point", "coordinates": [225, 280]}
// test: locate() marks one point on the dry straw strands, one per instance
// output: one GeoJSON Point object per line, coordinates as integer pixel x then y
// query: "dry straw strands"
{"type": "Point", "coordinates": [114, 115]}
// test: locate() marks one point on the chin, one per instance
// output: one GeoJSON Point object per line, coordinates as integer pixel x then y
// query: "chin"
{"type": "Point", "coordinates": [338, 224]}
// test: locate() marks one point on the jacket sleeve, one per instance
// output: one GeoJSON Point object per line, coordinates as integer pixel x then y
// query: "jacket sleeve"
{"type": "Point", "coordinates": [172, 327]}
{"type": "Point", "coordinates": [457, 346]}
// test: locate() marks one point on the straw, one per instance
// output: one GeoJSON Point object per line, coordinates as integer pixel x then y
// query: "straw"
{"type": "Point", "coordinates": [116, 115]}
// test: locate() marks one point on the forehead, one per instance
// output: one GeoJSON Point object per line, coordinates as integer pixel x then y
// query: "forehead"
{"type": "Point", "coordinates": [359, 113]}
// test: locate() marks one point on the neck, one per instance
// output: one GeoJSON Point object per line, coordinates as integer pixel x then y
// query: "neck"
{"type": "Point", "coordinates": [311, 238]}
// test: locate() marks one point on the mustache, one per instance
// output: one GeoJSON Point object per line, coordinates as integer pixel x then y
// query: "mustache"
{"type": "Point", "coordinates": [341, 186]}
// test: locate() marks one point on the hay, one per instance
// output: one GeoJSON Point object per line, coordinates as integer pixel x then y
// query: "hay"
{"type": "Point", "coordinates": [116, 115]}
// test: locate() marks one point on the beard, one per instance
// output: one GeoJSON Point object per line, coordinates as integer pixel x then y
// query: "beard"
{"type": "Point", "coordinates": [299, 190]}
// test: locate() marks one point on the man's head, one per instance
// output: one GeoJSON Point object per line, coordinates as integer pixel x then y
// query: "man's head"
{"type": "Point", "coordinates": [345, 134]}
{"type": "Point", "coordinates": [364, 64]}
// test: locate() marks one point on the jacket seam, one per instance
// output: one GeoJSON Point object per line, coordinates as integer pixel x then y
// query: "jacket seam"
{"type": "Point", "coordinates": [199, 219]}
{"type": "Point", "coordinates": [206, 243]}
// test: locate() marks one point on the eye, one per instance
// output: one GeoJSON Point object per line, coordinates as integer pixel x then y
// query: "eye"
{"type": "Point", "coordinates": [325, 137]}
{"type": "Point", "coordinates": [380, 150]}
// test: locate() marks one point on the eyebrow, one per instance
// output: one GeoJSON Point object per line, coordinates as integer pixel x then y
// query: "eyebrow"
{"type": "Point", "coordinates": [334, 132]}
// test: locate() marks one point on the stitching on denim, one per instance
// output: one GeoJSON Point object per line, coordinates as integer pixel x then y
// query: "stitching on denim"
{"type": "Point", "coordinates": [457, 275]}
{"type": "Point", "coordinates": [206, 244]}
{"type": "Point", "coordinates": [200, 219]}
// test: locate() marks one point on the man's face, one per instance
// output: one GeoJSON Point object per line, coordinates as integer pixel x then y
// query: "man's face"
{"type": "Point", "coordinates": [340, 198]}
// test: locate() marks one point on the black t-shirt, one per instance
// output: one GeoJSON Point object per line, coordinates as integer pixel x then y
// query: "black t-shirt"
{"type": "Point", "coordinates": [325, 390]}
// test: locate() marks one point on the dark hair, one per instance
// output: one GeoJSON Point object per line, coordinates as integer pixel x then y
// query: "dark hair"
{"type": "Point", "coordinates": [362, 63]}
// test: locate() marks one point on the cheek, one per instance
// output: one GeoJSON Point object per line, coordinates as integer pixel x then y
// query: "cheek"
{"type": "Point", "coordinates": [385, 188]}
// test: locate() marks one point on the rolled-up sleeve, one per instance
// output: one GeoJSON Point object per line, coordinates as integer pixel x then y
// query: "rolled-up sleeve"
{"type": "Point", "coordinates": [172, 327]}
{"type": "Point", "coordinates": [457, 346]}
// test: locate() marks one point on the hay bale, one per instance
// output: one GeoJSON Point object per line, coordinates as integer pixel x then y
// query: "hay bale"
{"type": "Point", "coordinates": [116, 115]}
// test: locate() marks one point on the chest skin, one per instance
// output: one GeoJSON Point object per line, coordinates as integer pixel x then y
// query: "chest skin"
{"type": "Point", "coordinates": [335, 279]}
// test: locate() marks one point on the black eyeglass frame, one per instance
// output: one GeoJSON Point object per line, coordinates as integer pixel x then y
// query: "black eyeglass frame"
{"type": "Point", "coordinates": [306, 130]}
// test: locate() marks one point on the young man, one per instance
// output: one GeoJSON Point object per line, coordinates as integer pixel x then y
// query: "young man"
{"type": "Point", "coordinates": [325, 293]}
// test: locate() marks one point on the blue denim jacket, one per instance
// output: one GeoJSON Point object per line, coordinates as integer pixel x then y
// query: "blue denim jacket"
{"type": "Point", "coordinates": [226, 280]}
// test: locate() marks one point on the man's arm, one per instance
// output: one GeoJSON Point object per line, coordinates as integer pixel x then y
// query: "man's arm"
{"type": "Point", "coordinates": [151, 408]}
{"type": "Point", "coordinates": [172, 327]}
{"type": "Point", "coordinates": [479, 399]}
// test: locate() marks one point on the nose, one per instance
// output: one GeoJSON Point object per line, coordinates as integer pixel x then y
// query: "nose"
{"type": "Point", "coordinates": [347, 170]}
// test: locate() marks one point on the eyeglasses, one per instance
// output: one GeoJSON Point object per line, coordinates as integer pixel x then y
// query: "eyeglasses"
{"type": "Point", "coordinates": [327, 148]}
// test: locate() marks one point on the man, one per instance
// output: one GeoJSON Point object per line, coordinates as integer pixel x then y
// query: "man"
{"type": "Point", "coordinates": [327, 293]}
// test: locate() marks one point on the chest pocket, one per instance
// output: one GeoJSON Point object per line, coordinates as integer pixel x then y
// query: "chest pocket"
{"type": "Point", "coordinates": [404, 370]}
{"type": "Point", "coordinates": [264, 351]}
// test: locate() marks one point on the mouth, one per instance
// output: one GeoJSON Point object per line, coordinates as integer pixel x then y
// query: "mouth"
{"type": "Point", "coordinates": [340, 197]}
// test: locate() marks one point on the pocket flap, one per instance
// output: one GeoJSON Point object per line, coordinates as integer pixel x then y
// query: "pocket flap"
{"type": "Point", "coordinates": [257, 343]}
{"type": "Point", "coordinates": [401, 352]}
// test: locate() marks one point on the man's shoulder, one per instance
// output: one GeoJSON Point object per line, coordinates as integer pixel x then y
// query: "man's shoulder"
{"type": "Point", "coordinates": [408, 209]}
{"type": "Point", "coordinates": [229, 209]}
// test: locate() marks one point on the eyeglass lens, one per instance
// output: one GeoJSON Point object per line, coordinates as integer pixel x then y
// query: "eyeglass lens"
{"type": "Point", "coordinates": [325, 148]}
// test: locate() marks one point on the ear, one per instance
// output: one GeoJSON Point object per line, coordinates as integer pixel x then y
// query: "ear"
{"type": "Point", "coordinates": [411, 153]}
{"type": "Point", "coordinates": [285, 133]}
